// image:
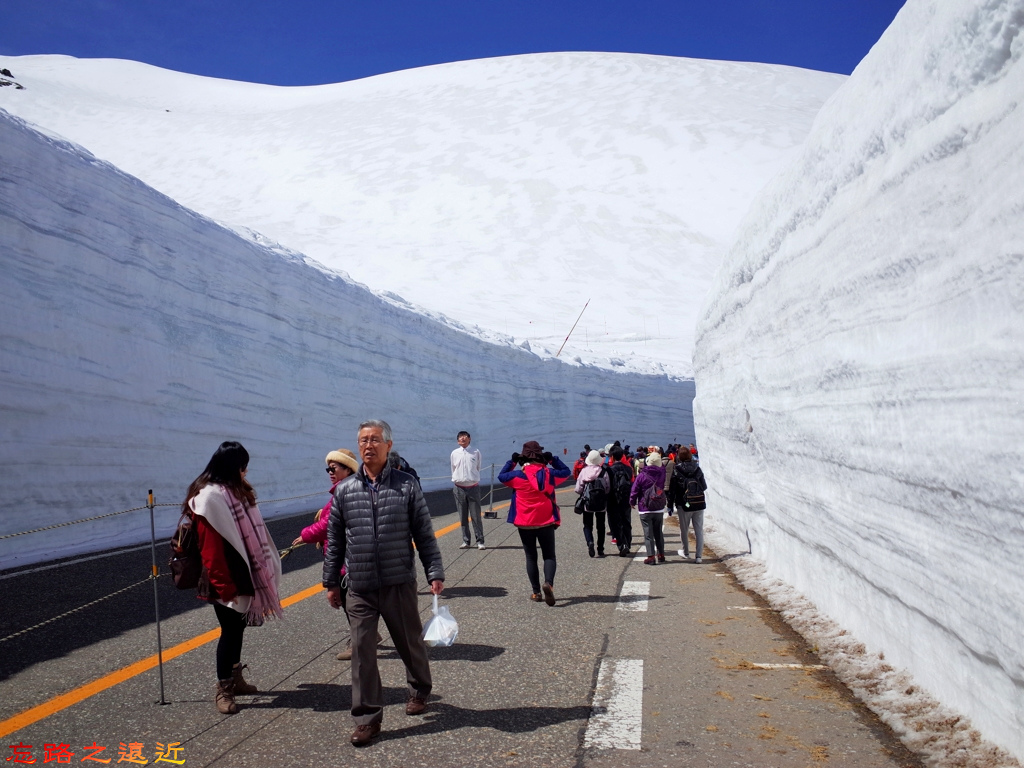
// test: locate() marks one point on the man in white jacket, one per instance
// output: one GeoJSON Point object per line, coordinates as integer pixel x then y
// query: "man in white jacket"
{"type": "Point", "coordinates": [466, 478]}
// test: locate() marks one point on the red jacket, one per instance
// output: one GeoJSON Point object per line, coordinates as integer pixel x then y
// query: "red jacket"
{"type": "Point", "coordinates": [533, 498]}
{"type": "Point", "coordinates": [223, 567]}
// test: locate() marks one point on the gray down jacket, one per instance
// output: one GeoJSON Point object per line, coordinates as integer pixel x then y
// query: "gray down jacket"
{"type": "Point", "coordinates": [372, 533]}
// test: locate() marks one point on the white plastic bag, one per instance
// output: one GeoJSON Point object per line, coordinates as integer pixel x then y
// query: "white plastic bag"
{"type": "Point", "coordinates": [441, 629]}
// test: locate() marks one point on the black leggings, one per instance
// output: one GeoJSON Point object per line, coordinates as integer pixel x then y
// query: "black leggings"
{"type": "Point", "coordinates": [229, 647]}
{"type": "Point", "coordinates": [531, 537]}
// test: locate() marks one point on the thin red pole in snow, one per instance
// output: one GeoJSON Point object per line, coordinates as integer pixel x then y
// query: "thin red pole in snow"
{"type": "Point", "coordinates": [573, 328]}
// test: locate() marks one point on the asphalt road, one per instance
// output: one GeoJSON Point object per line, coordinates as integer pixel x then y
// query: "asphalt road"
{"type": "Point", "coordinates": [707, 675]}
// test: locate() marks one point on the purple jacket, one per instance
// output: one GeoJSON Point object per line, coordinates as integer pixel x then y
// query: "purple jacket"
{"type": "Point", "coordinates": [648, 476]}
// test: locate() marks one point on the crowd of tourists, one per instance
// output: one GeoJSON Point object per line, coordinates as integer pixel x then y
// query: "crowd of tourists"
{"type": "Point", "coordinates": [376, 514]}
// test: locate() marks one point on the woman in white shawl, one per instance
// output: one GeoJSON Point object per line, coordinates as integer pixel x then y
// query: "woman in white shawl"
{"type": "Point", "coordinates": [241, 566]}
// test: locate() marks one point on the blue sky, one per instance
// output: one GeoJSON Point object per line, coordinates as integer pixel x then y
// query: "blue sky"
{"type": "Point", "coordinates": [306, 42]}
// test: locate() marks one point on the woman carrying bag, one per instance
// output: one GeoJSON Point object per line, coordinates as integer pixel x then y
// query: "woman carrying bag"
{"type": "Point", "coordinates": [241, 566]}
{"type": "Point", "coordinates": [534, 512]}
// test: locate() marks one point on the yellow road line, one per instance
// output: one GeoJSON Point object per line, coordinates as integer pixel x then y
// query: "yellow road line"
{"type": "Point", "coordinates": [65, 700]}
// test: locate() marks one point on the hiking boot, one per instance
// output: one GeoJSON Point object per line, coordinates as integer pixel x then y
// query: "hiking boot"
{"type": "Point", "coordinates": [537, 597]}
{"type": "Point", "coordinates": [364, 734]}
{"type": "Point", "coordinates": [590, 549]}
{"type": "Point", "coordinates": [225, 697]}
{"type": "Point", "coordinates": [549, 594]}
{"type": "Point", "coordinates": [650, 561]}
{"type": "Point", "coordinates": [661, 558]}
{"type": "Point", "coordinates": [415, 706]}
{"type": "Point", "coordinates": [624, 552]}
{"type": "Point", "coordinates": [242, 688]}
{"type": "Point", "coordinates": [346, 654]}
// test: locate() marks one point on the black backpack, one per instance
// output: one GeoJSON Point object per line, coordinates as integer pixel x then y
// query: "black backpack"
{"type": "Point", "coordinates": [595, 498]}
{"type": "Point", "coordinates": [689, 490]}
{"type": "Point", "coordinates": [622, 482]}
{"type": "Point", "coordinates": [186, 562]}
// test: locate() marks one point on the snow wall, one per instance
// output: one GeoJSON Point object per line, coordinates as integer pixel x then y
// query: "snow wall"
{"type": "Point", "coordinates": [860, 361]}
{"type": "Point", "coordinates": [137, 335]}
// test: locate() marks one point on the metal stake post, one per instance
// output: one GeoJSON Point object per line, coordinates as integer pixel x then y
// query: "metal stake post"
{"type": "Point", "coordinates": [156, 596]}
{"type": "Point", "coordinates": [490, 512]}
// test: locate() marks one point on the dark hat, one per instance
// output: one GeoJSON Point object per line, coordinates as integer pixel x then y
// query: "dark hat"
{"type": "Point", "coordinates": [533, 451]}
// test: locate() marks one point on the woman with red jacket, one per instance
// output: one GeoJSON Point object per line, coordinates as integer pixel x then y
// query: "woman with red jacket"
{"type": "Point", "coordinates": [534, 512]}
{"type": "Point", "coordinates": [241, 566]}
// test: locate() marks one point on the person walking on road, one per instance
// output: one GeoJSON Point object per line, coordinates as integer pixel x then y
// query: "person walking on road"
{"type": "Point", "coordinates": [620, 515]}
{"type": "Point", "coordinates": [466, 465]}
{"type": "Point", "coordinates": [690, 485]}
{"type": "Point", "coordinates": [341, 464]}
{"type": "Point", "coordinates": [376, 518]}
{"type": "Point", "coordinates": [241, 567]}
{"type": "Point", "coordinates": [534, 512]}
{"type": "Point", "coordinates": [648, 495]}
{"type": "Point", "coordinates": [594, 484]}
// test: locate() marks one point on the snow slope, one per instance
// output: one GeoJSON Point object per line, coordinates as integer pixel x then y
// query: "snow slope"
{"type": "Point", "coordinates": [860, 361]}
{"type": "Point", "coordinates": [137, 335]}
{"type": "Point", "coordinates": [502, 193]}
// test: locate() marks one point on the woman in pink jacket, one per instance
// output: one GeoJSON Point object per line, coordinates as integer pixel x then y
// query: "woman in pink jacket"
{"type": "Point", "coordinates": [597, 474]}
{"type": "Point", "coordinates": [341, 465]}
{"type": "Point", "coordinates": [534, 512]}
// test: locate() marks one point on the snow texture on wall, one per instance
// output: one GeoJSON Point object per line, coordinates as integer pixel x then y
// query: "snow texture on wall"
{"type": "Point", "coordinates": [137, 335]}
{"type": "Point", "coordinates": [445, 184]}
{"type": "Point", "coordinates": [860, 361]}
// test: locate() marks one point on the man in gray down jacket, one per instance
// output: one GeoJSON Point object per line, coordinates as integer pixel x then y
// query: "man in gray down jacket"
{"type": "Point", "coordinates": [376, 516]}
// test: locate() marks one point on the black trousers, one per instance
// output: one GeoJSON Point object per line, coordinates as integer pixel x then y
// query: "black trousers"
{"type": "Point", "coordinates": [531, 537]}
{"type": "Point", "coordinates": [620, 521]}
{"type": "Point", "coordinates": [229, 647]}
{"type": "Point", "coordinates": [588, 528]}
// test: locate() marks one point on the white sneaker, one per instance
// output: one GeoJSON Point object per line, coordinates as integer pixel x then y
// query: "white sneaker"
{"type": "Point", "coordinates": [683, 554]}
{"type": "Point", "coordinates": [464, 545]}
{"type": "Point", "coordinates": [480, 545]}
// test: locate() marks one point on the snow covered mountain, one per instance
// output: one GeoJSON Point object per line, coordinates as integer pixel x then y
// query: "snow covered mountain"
{"type": "Point", "coordinates": [137, 335]}
{"type": "Point", "coordinates": [501, 193]}
{"type": "Point", "coordinates": [860, 362]}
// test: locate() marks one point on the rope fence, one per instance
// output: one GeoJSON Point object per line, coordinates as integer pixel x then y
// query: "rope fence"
{"type": "Point", "coordinates": [156, 571]}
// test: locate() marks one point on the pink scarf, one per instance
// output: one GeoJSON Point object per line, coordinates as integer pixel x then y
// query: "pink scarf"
{"type": "Point", "coordinates": [265, 603]}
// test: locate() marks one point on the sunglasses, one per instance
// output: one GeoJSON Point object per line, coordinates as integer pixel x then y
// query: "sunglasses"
{"type": "Point", "coordinates": [332, 469]}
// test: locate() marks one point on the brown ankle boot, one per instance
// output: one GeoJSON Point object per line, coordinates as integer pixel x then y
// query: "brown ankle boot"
{"type": "Point", "coordinates": [225, 698]}
{"type": "Point", "coordinates": [242, 688]}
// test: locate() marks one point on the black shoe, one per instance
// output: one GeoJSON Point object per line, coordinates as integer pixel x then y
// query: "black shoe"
{"type": "Point", "coordinates": [600, 553]}
{"type": "Point", "coordinates": [590, 549]}
{"type": "Point", "coordinates": [624, 552]}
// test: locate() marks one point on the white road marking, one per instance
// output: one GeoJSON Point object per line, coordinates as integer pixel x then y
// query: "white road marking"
{"type": "Point", "coordinates": [745, 608]}
{"type": "Point", "coordinates": [788, 666]}
{"type": "Point", "coordinates": [633, 596]}
{"type": "Point", "coordinates": [616, 716]}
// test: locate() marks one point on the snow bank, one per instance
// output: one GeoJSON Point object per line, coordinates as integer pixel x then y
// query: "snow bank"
{"type": "Point", "coordinates": [618, 178]}
{"type": "Point", "coordinates": [859, 362]}
{"type": "Point", "coordinates": [137, 335]}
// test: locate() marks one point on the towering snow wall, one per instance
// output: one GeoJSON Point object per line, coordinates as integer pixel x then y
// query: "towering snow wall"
{"type": "Point", "coordinates": [137, 335]}
{"type": "Point", "coordinates": [860, 361]}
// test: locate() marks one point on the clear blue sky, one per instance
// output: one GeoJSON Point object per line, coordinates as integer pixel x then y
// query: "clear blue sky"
{"type": "Point", "coordinates": [306, 42]}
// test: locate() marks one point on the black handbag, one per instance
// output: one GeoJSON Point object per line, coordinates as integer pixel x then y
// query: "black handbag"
{"type": "Point", "coordinates": [186, 562]}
